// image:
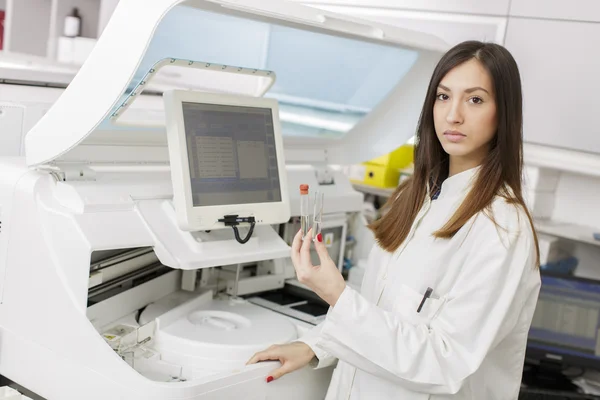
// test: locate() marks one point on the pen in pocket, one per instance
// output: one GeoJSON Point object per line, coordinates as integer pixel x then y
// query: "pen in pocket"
{"type": "Point", "coordinates": [425, 297]}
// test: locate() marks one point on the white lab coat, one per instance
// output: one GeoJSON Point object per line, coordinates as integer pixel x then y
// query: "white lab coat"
{"type": "Point", "coordinates": [469, 340]}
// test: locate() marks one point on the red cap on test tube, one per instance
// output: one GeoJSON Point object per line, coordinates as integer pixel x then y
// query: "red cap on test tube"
{"type": "Point", "coordinates": [304, 189]}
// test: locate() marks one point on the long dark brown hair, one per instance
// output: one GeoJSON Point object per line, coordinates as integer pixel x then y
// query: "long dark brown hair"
{"type": "Point", "coordinates": [501, 171]}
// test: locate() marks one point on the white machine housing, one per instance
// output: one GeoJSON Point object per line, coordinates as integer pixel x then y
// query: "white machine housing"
{"type": "Point", "coordinates": [92, 260]}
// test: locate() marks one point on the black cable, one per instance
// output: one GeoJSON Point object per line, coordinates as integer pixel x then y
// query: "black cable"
{"type": "Point", "coordinates": [233, 221]}
{"type": "Point", "coordinates": [237, 233]}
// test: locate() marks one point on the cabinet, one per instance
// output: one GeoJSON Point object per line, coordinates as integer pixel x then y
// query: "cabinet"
{"type": "Point", "coordinates": [559, 64]}
{"type": "Point", "coordinates": [499, 7]}
{"type": "Point", "coordinates": [576, 10]}
{"type": "Point", "coordinates": [27, 25]}
{"type": "Point", "coordinates": [89, 11]}
{"type": "Point", "coordinates": [452, 28]}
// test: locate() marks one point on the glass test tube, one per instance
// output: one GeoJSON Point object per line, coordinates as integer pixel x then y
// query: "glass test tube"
{"type": "Point", "coordinates": [318, 214]}
{"type": "Point", "coordinates": [304, 210]}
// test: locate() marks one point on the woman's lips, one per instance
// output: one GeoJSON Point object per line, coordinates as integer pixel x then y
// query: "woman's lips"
{"type": "Point", "coordinates": [454, 136]}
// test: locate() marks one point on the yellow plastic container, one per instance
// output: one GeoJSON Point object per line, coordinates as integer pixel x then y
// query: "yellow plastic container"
{"type": "Point", "coordinates": [400, 158]}
{"type": "Point", "coordinates": [384, 171]}
{"type": "Point", "coordinates": [380, 176]}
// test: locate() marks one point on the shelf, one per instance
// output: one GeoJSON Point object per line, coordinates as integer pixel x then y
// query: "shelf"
{"type": "Point", "coordinates": [384, 192]}
{"type": "Point", "coordinates": [33, 27]}
{"type": "Point", "coordinates": [572, 161]}
{"type": "Point", "coordinates": [569, 231]}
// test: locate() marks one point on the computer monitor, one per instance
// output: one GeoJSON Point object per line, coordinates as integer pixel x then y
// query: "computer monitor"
{"type": "Point", "coordinates": [565, 330]}
{"type": "Point", "coordinates": [226, 156]}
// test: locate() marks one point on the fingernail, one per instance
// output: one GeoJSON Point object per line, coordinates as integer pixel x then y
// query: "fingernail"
{"type": "Point", "coordinates": [320, 238]}
{"type": "Point", "coordinates": [269, 379]}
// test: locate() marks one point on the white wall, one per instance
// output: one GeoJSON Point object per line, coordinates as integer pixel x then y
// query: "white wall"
{"type": "Point", "coordinates": [2, 4]}
{"type": "Point", "coordinates": [559, 64]}
{"type": "Point", "coordinates": [577, 200]}
{"type": "Point", "coordinates": [575, 10]}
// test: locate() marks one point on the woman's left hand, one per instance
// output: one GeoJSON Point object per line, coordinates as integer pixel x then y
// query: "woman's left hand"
{"type": "Point", "coordinates": [325, 279]}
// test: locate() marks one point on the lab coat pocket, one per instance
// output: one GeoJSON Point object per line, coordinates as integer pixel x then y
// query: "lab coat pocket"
{"type": "Point", "coordinates": [408, 301]}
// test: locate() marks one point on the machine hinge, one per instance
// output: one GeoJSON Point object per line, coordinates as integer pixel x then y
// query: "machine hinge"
{"type": "Point", "coordinates": [73, 172]}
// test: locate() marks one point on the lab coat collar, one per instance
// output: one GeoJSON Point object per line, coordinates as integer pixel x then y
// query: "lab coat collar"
{"type": "Point", "coordinates": [458, 184]}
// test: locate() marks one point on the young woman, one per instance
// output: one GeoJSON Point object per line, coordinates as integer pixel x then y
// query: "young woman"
{"type": "Point", "coordinates": [451, 286]}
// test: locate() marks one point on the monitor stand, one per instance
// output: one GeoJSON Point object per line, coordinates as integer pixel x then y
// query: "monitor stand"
{"type": "Point", "coordinates": [547, 375]}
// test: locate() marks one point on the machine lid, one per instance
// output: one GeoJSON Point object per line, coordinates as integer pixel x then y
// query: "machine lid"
{"type": "Point", "coordinates": [347, 88]}
{"type": "Point", "coordinates": [210, 332]}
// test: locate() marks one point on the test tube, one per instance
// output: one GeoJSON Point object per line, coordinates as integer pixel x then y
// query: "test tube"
{"type": "Point", "coordinates": [304, 210]}
{"type": "Point", "coordinates": [318, 214]}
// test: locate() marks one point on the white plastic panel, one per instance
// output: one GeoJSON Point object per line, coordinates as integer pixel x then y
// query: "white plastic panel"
{"type": "Point", "coordinates": [16, 118]}
{"type": "Point", "coordinates": [184, 250]}
{"type": "Point", "coordinates": [11, 129]}
{"type": "Point", "coordinates": [19, 70]}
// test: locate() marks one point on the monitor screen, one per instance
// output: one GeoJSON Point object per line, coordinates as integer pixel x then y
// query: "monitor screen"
{"type": "Point", "coordinates": [231, 154]}
{"type": "Point", "coordinates": [566, 322]}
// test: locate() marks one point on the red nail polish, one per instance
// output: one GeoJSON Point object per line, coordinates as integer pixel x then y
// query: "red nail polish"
{"type": "Point", "coordinates": [269, 379]}
{"type": "Point", "coordinates": [320, 238]}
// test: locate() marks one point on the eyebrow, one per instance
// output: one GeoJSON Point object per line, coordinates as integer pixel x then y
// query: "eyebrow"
{"type": "Point", "coordinates": [470, 90]}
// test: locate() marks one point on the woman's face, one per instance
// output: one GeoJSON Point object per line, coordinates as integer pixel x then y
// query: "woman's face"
{"type": "Point", "coordinates": [464, 112]}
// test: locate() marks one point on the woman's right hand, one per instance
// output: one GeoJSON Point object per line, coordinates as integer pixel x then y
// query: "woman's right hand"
{"type": "Point", "coordinates": [292, 356]}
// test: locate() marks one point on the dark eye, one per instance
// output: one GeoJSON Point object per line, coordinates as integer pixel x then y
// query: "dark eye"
{"type": "Point", "coordinates": [442, 97]}
{"type": "Point", "coordinates": [476, 100]}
